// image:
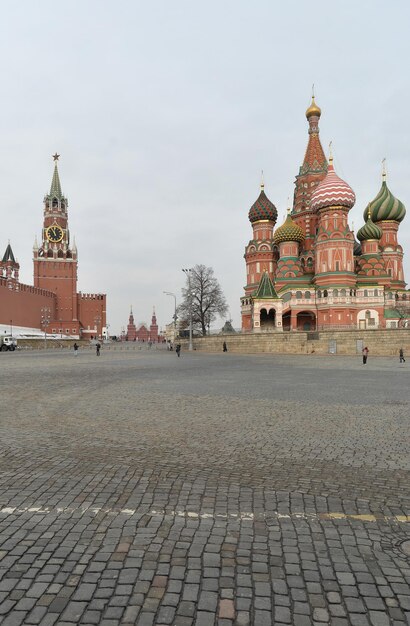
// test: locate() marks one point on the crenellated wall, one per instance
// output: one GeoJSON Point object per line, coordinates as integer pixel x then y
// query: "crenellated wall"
{"type": "Point", "coordinates": [24, 305]}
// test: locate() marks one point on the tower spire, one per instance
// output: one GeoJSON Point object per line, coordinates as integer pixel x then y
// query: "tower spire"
{"type": "Point", "coordinates": [55, 189]}
{"type": "Point", "coordinates": [262, 181]}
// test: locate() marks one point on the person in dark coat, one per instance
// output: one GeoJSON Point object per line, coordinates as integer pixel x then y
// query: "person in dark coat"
{"type": "Point", "coordinates": [224, 347]}
{"type": "Point", "coordinates": [75, 346]}
{"type": "Point", "coordinates": [178, 349]}
{"type": "Point", "coordinates": [365, 353]}
{"type": "Point", "coordinates": [97, 349]}
{"type": "Point", "coordinates": [401, 355]}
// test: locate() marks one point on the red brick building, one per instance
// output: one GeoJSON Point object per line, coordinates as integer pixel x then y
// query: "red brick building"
{"type": "Point", "coordinates": [310, 273]}
{"type": "Point", "coordinates": [54, 296]}
{"type": "Point", "coordinates": [142, 332]}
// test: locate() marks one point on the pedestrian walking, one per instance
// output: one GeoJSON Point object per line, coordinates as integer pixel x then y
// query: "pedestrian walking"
{"type": "Point", "coordinates": [224, 347]}
{"type": "Point", "coordinates": [365, 353]}
{"type": "Point", "coordinates": [97, 349]}
{"type": "Point", "coordinates": [178, 349]}
{"type": "Point", "coordinates": [75, 346]}
{"type": "Point", "coordinates": [401, 355]}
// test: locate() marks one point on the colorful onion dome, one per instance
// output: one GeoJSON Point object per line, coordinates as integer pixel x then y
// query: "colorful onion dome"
{"type": "Point", "coordinates": [370, 230]}
{"type": "Point", "coordinates": [385, 206]}
{"type": "Point", "coordinates": [313, 109]}
{"type": "Point", "coordinates": [332, 191]}
{"type": "Point", "coordinates": [289, 231]}
{"type": "Point", "coordinates": [263, 209]}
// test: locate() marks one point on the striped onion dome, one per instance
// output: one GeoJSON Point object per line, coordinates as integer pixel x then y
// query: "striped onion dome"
{"type": "Point", "coordinates": [263, 209]}
{"type": "Point", "coordinates": [332, 191]}
{"type": "Point", "coordinates": [369, 231]}
{"type": "Point", "coordinates": [385, 206]}
{"type": "Point", "coordinates": [289, 231]}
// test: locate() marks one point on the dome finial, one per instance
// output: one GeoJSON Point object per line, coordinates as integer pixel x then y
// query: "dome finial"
{"type": "Point", "coordinates": [262, 181]}
{"type": "Point", "coordinates": [288, 210]}
{"type": "Point", "coordinates": [384, 173]}
{"type": "Point", "coordinates": [330, 152]}
{"type": "Point", "coordinates": [369, 213]}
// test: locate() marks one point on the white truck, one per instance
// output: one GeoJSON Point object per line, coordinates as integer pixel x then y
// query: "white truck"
{"type": "Point", "coordinates": [7, 343]}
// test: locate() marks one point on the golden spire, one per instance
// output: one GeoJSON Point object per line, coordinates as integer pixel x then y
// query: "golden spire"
{"type": "Point", "coordinates": [384, 173]}
{"type": "Point", "coordinates": [262, 181]}
{"type": "Point", "coordinates": [368, 211]}
{"type": "Point", "coordinates": [330, 153]}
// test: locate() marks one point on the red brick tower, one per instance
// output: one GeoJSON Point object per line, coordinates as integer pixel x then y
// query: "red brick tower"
{"type": "Point", "coordinates": [332, 200]}
{"type": "Point", "coordinates": [153, 329]}
{"type": "Point", "coordinates": [260, 253]}
{"type": "Point", "coordinates": [55, 260]}
{"type": "Point", "coordinates": [9, 269]}
{"type": "Point", "coordinates": [131, 328]}
{"type": "Point", "coordinates": [312, 171]}
{"type": "Point", "coordinates": [388, 212]}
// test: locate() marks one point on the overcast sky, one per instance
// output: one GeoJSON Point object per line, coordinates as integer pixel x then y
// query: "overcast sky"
{"type": "Point", "coordinates": [165, 112]}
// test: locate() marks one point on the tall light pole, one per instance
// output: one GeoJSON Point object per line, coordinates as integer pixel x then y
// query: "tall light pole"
{"type": "Point", "coordinates": [187, 272]}
{"type": "Point", "coordinates": [169, 293]}
{"type": "Point", "coordinates": [45, 320]}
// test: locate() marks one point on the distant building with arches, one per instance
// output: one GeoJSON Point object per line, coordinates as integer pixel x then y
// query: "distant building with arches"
{"type": "Point", "coordinates": [311, 273]}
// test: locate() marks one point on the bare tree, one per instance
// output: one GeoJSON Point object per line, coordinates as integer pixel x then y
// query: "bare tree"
{"type": "Point", "coordinates": [403, 309]}
{"type": "Point", "coordinates": [205, 293]}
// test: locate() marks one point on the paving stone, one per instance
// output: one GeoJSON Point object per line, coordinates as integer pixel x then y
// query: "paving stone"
{"type": "Point", "coordinates": [160, 512]}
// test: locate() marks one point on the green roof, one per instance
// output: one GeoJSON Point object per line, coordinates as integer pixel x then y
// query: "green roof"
{"type": "Point", "coordinates": [392, 314]}
{"type": "Point", "coordinates": [265, 290]}
{"type": "Point", "coordinates": [55, 189]}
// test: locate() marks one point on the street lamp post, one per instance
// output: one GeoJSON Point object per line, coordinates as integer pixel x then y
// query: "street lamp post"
{"type": "Point", "coordinates": [45, 320]}
{"type": "Point", "coordinates": [187, 272]}
{"type": "Point", "coordinates": [169, 293]}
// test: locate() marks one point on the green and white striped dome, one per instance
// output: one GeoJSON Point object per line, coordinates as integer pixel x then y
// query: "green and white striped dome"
{"type": "Point", "coordinates": [369, 231]}
{"type": "Point", "coordinates": [385, 206]}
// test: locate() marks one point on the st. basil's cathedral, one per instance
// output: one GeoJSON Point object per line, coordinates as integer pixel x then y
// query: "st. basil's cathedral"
{"type": "Point", "coordinates": [311, 273]}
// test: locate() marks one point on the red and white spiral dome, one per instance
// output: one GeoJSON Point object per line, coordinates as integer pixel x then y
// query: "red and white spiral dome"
{"type": "Point", "coordinates": [332, 191]}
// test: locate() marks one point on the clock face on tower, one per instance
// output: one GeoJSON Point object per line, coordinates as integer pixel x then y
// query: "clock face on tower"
{"type": "Point", "coordinates": [54, 233]}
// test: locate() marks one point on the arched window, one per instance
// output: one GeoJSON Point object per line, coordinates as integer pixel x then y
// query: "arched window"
{"type": "Point", "coordinates": [335, 293]}
{"type": "Point", "coordinates": [55, 202]}
{"type": "Point", "coordinates": [325, 293]}
{"type": "Point", "coordinates": [319, 293]}
{"type": "Point", "coordinates": [376, 293]}
{"type": "Point", "coordinates": [404, 297]}
{"type": "Point", "coordinates": [310, 262]}
{"type": "Point", "coordinates": [368, 315]}
{"type": "Point", "coordinates": [50, 253]}
{"type": "Point", "coordinates": [390, 295]}
{"type": "Point", "coordinates": [60, 254]}
{"type": "Point", "coordinates": [298, 295]}
{"type": "Point", "coordinates": [343, 293]}
{"type": "Point", "coordinates": [307, 295]}
{"type": "Point", "coordinates": [366, 293]}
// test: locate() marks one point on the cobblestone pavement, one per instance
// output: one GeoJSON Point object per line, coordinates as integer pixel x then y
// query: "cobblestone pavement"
{"type": "Point", "coordinates": [139, 488]}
